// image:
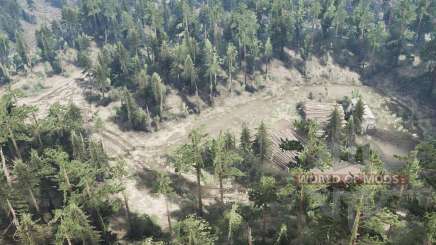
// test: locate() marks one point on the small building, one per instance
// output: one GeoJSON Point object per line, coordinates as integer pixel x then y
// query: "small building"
{"type": "Point", "coordinates": [321, 112]}
{"type": "Point", "coordinates": [368, 119]}
{"type": "Point", "coordinates": [282, 131]}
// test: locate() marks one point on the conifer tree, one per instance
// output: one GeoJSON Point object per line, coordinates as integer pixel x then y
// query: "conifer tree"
{"type": "Point", "coordinates": [358, 112]}
{"type": "Point", "coordinates": [5, 49]}
{"type": "Point", "coordinates": [23, 51]}
{"type": "Point", "coordinates": [334, 130]}
{"type": "Point", "coordinates": [263, 194]}
{"type": "Point", "coordinates": [4, 75]}
{"type": "Point", "coordinates": [28, 181]}
{"type": "Point", "coordinates": [164, 188]}
{"type": "Point", "coordinates": [194, 231]}
{"type": "Point", "coordinates": [190, 74]}
{"type": "Point", "coordinates": [234, 221]}
{"type": "Point", "coordinates": [262, 143]}
{"type": "Point", "coordinates": [190, 156]}
{"type": "Point", "coordinates": [350, 133]}
{"type": "Point", "coordinates": [231, 59]}
{"type": "Point", "coordinates": [73, 225]}
{"type": "Point", "coordinates": [30, 232]}
{"type": "Point", "coordinates": [223, 160]}
{"type": "Point", "coordinates": [268, 54]}
{"type": "Point", "coordinates": [159, 91]}
{"type": "Point", "coordinates": [245, 139]}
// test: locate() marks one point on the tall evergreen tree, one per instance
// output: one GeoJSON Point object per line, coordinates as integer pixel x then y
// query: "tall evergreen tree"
{"type": "Point", "coordinates": [334, 130]}
{"type": "Point", "coordinates": [262, 143]}
{"type": "Point", "coordinates": [190, 156]}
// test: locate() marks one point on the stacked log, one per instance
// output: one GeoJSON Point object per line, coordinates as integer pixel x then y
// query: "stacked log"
{"type": "Point", "coordinates": [282, 131]}
{"type": "Point", "coordinates": [321, 112]}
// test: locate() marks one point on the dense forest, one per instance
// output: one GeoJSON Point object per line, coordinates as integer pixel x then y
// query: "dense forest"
{"type": "Point", "coordinates": [58, 185]}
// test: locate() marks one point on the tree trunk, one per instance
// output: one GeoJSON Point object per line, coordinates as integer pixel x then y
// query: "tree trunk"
{"type": "Point", "coordinates": [127, 210]}
{"type": "Point", "coordinates": [161, 104]}
{"type": "Point", "coordinates": [5, 168]}
{"type": "Point", "coordinates": [168, 216]}
{"type": "Point", "coordinates": [221, 189]}
{"type": "Point", "coordinates": [100, 217]}
{"type": "Point", "coordinates": [245, 66]}
{"type": "Point", "coordinates": [263, 226]}
{"type": "Point", "coordinates": [200, 203]}
{"type": "Point", "coordinates": [250, 238]}
{"type": "Point", "coordinates": [210, 91]}
{"type": "Point", "coordinates": [230, 77]}
{"type": "Point", "coordinates": [68, 240]}
{"type": "Point", "coordinates": [14, 215]}
{"type": "Point", "coordinates": [267, 65]}
{"type": "Point", "coordinates": [67, 179]}
{"type": "Point", "coordinates": [12, 136]}
{"type": "Point", "coordinates": [35, 203]}
{"type": "Point", "coordinates": [37, 131]}
{"type": "Point", "coordinates": [300, 216]}
{"type": "Point", "coordinates": [355, 229]}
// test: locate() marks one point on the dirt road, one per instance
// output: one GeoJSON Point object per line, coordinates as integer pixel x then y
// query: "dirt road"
{"type": "Point", "coordinates": [145, 152]}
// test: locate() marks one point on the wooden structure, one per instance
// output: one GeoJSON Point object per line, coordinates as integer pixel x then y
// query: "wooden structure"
{"type": "Point", "coordinates": [341, 168]}
{"type": "Point", "coordinates": [368, 118]}
{"type": "Point", "coordinates": [282, 131]}
{"type": "Point", "coordinates": [320, 113]}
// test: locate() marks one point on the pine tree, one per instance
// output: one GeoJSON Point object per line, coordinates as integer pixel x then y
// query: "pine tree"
{"type": "Point", "coordinates": [268, 54]}
{"type": "Point", "coordinates": [262, 143]}
{"type": "Point", "coordinates": [334, 130]}
{"type": "Point", "coordinates": [190, 74]}
{"type": "Point", "coordinates": [23, 51]}
{"type": "Point", "coordinates": [190, 156]}
{"type": "Point", "coordinates": [263, 194]}
{"type": "Point", "coordinates": [213, 67]}
{"type": "Point", "coordinates": [4, 75]}
{"type": "Point", "coordinates": [358, 113]}
{"type": "Point", "coordinates": [246, 32]}
{"type": "Point", "coordinates": [101, 76]}
{"type": "Point", "coordinates": [340, 17]}
{"type": "Point", "coordinates": [194, 231]}
{"type": "Point", "coordinates": [159, 91]}
{"type": "Point", "coordinates": [430, 227]}
{"type": "Point", "coordinates": [73, 225]}
{"type": "Point", "coordinates": [30, 232]}
{"type": "Point", "coordinates": [245, 139]}
{"type": "Point", "coordinates": [231, 59]}
{"type": "Point", "coordinates": [164, 188]}
{"type": "Point", "coordinates": [28, 181]}
{"type": "Point", "coordinates": [350, 132]}
{"type": "Point", "coordinates": [5, 49]}
{"type": "Point", "coordinates": [223, 160]}
{"type": "Point", "coordinates": [234, 221]}
{"type": "Point", "coordinates": [13, 120]}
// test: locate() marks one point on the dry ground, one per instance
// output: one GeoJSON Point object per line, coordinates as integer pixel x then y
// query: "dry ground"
{"type": "Point", "coordinates": [145, 152]}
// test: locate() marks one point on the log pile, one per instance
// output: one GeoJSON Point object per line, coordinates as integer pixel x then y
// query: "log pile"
{"type": "Point", "coordinates": [320, 113]}
{"type": "Point", "coordinates": [282, 131]}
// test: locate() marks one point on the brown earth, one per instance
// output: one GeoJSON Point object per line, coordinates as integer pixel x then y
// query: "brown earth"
{"type": "Point", "coordinates": [145, 153]}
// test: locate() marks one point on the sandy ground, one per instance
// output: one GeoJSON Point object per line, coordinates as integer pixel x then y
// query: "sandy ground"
{"type": "Point", "coordinates": [145, 153]}
{"type": "Point", "coordinates": [44, 13]}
